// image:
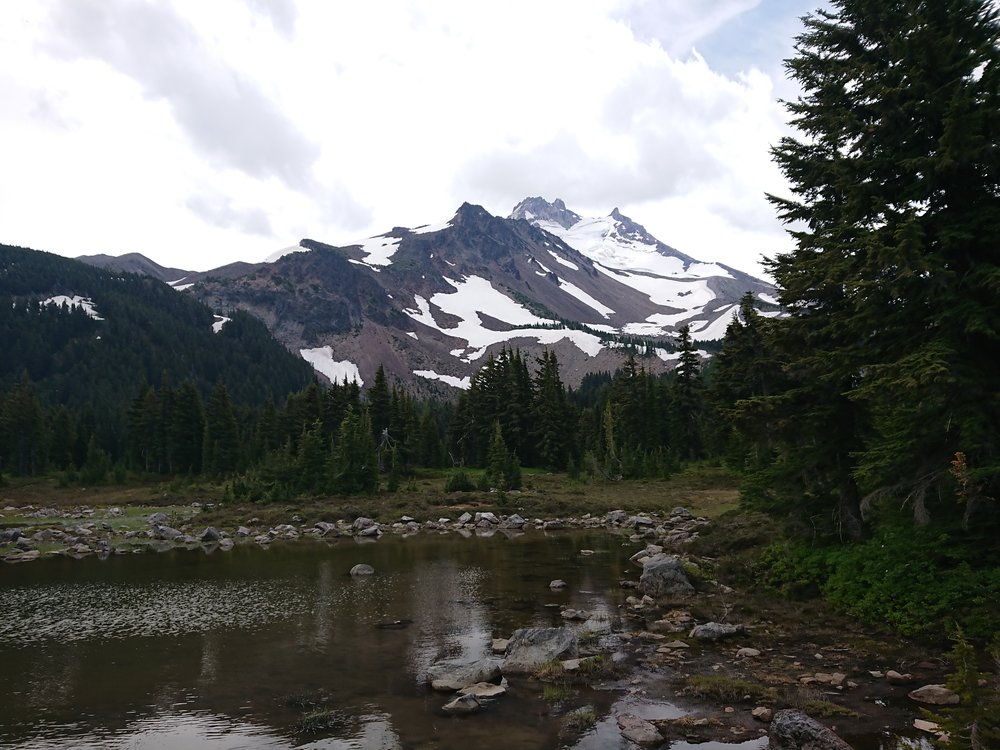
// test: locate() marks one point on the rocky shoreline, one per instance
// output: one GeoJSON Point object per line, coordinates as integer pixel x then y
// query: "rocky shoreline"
{"type": "Point", "coordinates": [678, 632]}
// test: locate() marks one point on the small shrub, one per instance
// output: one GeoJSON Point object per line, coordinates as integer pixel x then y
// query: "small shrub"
{"type": "Point", "coordinates": [556, 692]}
{"type": "Point", "coordinates": [459, 481]}
{"type": "Point", "coordinates": [320, 721]}
{"type": "Point", "coordinates": [728, 689]}
{"type": "Point", "coordinates": [826, 710]}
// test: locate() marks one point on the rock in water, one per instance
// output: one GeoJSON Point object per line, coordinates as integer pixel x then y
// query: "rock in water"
{"type": "Point", "coordinates": [639, 731]}
{"type": "Point", "coordinates": [362, 569]}
{"type": "Point", "coordinates": [664, 576]}
{"type": "Point", "coordinates": [463, 704]}
{"type": "Point", "coordinates": [449, 677]}
{"type": "Point", "coordinates": [793, 730]}
{"type": "Point", "coordinates": [530, 648]}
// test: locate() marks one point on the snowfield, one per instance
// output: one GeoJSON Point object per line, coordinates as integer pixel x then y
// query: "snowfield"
{"type": "Point", "coordinates": [323, 362]}
{"type": "Point", "coordinates": [462, 383]}
{"type": "Point", "coordinates": [474, 296]}
{"type": "Point", "coordinates": [85, 303]}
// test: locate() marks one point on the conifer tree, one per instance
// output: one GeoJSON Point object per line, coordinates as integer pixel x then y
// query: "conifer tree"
{"type": "Point", "coordinates": [687, 398]}
{"type": "Point", "coordinates": [892, 287]}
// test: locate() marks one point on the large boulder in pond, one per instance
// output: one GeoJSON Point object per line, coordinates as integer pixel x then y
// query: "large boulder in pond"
{"type": "Point", "coordinates": [530, 648]}
{"type": "Point", "coordinates": [450, 677]}
{"type": "Point", "coordinates": [793, 730]}
{"type": "Point", "coordinates": [662, 576]}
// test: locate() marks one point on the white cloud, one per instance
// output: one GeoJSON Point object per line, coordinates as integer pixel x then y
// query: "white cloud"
{"type": "Point", "coordinates": [202, 133]}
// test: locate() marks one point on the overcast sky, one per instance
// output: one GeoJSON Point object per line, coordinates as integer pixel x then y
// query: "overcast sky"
{"type": "Point", "coordinates": [199, 133]}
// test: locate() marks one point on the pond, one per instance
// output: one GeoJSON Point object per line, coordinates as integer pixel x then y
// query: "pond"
{"type": "Point", "coordinates": [236, 649]}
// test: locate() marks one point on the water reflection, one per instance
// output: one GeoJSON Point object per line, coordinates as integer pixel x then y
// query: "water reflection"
{"type": "Point", "coordinates": [183, 649]}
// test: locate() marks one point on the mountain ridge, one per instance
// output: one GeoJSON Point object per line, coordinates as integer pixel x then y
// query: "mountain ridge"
{"type": "Point", "coordinates": [431, 302]}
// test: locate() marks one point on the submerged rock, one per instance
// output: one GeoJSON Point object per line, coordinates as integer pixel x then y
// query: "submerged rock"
{"type": "Point", "coordinates": [362, 569]}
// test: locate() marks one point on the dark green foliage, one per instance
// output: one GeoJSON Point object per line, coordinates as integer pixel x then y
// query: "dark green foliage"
{"type": "Point", "coordinates": [915, 581]}
{"type": "Point", "coordinates": [459, 481]}
{"type": "Point", "coordinates": [892, 289]}
{"type": "Point", "coordinates": [974, 723]}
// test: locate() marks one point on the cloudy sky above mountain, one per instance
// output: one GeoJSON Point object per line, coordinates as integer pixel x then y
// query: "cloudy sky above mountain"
{"type": "Point", "coordinates": [199, 133]}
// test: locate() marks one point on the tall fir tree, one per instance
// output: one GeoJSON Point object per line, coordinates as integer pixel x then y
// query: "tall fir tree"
{"type": "Point", "coordinates": [893, 287]}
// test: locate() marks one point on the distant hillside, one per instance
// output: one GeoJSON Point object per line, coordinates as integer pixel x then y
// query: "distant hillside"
{"type": "Point", "coordinates": [136, 263]}
{"type": "Point", "coordinates": [87, 337]}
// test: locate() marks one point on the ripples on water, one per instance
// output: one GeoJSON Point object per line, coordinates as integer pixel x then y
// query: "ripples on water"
{"type": "Point", "coordinates": [82, 611]}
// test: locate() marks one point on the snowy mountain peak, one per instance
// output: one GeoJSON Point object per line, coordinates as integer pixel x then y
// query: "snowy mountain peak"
{"type": "Point", "coordinates": [538, 209]}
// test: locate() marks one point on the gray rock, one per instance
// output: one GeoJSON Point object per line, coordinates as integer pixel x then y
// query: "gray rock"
{"type": "Point", "coordinates": [747, 653]}
{"type": "Point", "coordinates": [499, 646]}
{"type": "Point", "coordinates": [617, 517]}
{"type": "Point", "coordinates": [484, 690]}
{"type": "Point", "coordinates": [166, 532]}
{"type": "Point", "coordinates": [243, 531]}
{"type": "Point", "coordinates": [486, 516]}
{"type": "Point", "coordinates": [464, 518]}
{"type": "Point", "coordinates": [530, 648]}
{"type": "Point", "coordinates": [558, 583]}
{"type": "Point", "coordinates": [157, 519]}
{"type": "Point", "coordinates": [361, 523]}
{"type": "Point", "coordinates": [369, 531]}
{"type": "Point", "coordinates": [325, 528]}
{"type": "Point", "coordinates": [513, 521]}
{"type": "Point", "coordinates": [463, 704]}
{"type": "Point", "coordinates": [554, 525]}
{"type": "Point", "coordinates": [680, 513]}
{"type": "Point", "coordinates": [639, 731]}
{"type": "Point", "coordinates": [664, 576]}
{"type": "Point", "coordinates": [713, 631]}
{"type": "Point", "coordinates": [362, 569]}
{"type": "Point", "coordinates": [210, 534]}
{"type": "Point", "coordinates": [449, 677]}
{"type": "Point", "coordinates": [763, 713]}
{"type": "Point", "coordinates": [934, 695]}
{"type": "Point", "coordinates": [793, 730]}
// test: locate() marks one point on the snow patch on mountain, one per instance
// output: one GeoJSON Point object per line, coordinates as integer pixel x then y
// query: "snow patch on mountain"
{"type": "Point", "coordinates": [323, 362]}
{"type": "Point", "coordinates": [279, 254]}
{"type": "Point", "coordinates": [563, 261]}
{"type": "Point", "coordinates": [451, 380]}
{"type": "Point", "coordinates": [379, 250]}
{"type": "Point", "coordinates": [475, 295]}
{"type": "Point", "coordinates": [429, 228]}
{"type": "Point", "coordinates": [85, 303]}
{"type": "Point", "coordinates": [585, 298]}
{"type": "Point", "coordinates": [220, 320]}
{"type": "Point", "coordinates": [689, 294]}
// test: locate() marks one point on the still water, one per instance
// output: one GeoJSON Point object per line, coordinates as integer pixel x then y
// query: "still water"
{"type": "Point", "coordinates": [233, 649]}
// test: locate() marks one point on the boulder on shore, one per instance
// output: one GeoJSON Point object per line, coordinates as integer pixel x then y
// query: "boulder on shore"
{"type": "Point", "coordinates": [664, 576]}
{"type": "Point", "coordinates": [934, 695]}
{"type": "Point", "coordinates": [713, 631]}
{"type": "Point", "coordinates": [794, 730]}
{"type": "Point", "coordinates": [530, 648]}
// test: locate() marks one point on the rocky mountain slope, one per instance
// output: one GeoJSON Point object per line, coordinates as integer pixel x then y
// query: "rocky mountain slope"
{"type": "Point", "coordinates": [430, 303]}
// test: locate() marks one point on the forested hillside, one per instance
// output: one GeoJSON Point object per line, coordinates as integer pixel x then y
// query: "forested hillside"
{"type": "Point", "coordinates": [86, 339]}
